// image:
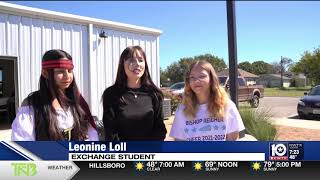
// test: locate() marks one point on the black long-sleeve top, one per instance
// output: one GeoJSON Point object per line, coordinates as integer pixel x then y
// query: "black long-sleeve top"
{"type": "Point", "coordinates": [132, 114]}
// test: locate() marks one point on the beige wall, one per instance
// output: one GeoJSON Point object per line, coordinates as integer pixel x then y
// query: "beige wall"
{"type": "Point", "coordinates": [286, 84]}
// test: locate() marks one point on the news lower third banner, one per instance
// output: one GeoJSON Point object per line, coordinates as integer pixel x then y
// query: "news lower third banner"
{"type": "Point", "coordinates": [78, 160]}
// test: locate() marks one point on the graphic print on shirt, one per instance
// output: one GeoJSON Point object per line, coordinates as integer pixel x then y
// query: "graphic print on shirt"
{"type": "Point", "coordinates": [205, 129]}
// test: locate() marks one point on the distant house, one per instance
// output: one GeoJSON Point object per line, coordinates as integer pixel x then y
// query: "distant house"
{"type": "Point", "coordinates": [273, 80]}
{"type": "Point", "coordinates": [250, 78]}
{"type": "Point", "coordinates": [297, 80]}
{"type": "Point", "coordinates": [300, 80]}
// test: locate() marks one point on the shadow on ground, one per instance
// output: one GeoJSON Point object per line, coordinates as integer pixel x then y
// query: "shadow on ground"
{"type": "Point", "coordinates": [313, 118]}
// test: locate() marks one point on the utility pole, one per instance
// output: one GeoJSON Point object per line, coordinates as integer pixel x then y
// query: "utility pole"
{"type": "Point", "coordinates": [281, 72]}
{"type": "Point", "coordinates": [232, 48]}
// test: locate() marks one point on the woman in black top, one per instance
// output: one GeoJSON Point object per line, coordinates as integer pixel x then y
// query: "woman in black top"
{"type": "Point", "coordinates": [132, 107]}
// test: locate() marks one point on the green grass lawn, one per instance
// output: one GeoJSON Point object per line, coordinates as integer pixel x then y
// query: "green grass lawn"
{"type": "Point", "coordinates": [286, 92]}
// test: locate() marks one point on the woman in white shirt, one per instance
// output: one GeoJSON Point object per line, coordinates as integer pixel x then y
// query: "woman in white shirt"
{"type": "Point", "coordinates": [56, 111]}
{"type": "Point", "coordinates": [206, 112]}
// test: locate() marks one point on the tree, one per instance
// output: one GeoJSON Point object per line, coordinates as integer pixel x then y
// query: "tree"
{"type": "Point", "coordinates": [175, 73]}
{"type": "Point", "coordinates": [246, 65]}
{"type": "Point", "coordinates": [217, 63]}
{"type": "Point", "coordinates": [177, 70]}
{"type": "Point", "coordinates": [275, 68]}
{"type": "Point", "coordinates": [309, 64]}
{"type": "Point", "coordinates": [164, 79]}
{"type": "Point", "coordinates": [284, 64]}
{"type": "Point", "coordinates": [260, 67]}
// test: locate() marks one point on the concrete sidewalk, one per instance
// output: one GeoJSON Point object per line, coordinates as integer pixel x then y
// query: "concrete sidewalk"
{"type": "Point", "coordinates": [5, 135]}
{"type": "Point", "coordinates": [168, 122]}
{"type": "Point", "coordinates": [298, 123]}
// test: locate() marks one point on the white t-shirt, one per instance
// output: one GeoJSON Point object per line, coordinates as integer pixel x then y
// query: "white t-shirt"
{"type": "Point", "coordinates": [23, 128]}
{"type": "Point", "coordinates": [206, 128]}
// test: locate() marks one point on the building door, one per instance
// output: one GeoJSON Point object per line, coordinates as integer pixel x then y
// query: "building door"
{"type": "Point", "coordinates": [8, 84]}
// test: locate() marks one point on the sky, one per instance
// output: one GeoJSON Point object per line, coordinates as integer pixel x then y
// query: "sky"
{"type": "Point", "coordinates": [266, 30]}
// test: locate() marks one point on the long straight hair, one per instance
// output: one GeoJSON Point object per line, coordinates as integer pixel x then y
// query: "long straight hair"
{"type": "Point", "coordinates": [217, 97]}
{"type": "Point", "coordinates": [46, 124]}
{"type": "Point", "coordinates": [146, 81]}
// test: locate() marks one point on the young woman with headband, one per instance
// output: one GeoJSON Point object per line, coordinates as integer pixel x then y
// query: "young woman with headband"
{"type": "Point", "coordinates": [57, 111]}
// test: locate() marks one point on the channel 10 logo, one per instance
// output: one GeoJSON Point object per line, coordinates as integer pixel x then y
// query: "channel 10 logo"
{"type": "Point", "coordinates": [278, 151]}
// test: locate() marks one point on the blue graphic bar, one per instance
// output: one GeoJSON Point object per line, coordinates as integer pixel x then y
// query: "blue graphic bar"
{"type": "Point", "coordinates": [274, 150]}
{"type": "Point", "coordinates": [9, 154]}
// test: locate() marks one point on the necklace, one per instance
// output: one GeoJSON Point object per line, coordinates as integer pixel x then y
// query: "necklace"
{"type": "Point", "coordinates": [134, 94]}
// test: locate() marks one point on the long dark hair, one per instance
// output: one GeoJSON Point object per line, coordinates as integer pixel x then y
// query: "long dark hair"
{"type": "Point", "coordinates": [46, 125]}
{"type": "Point", "coordinates": [146, 81]}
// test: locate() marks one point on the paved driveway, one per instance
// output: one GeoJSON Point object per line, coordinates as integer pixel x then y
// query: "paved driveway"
{"type": "Point", "coordinates": [284, 111]}
{"type": "Point", "coordinates": [280, 107]}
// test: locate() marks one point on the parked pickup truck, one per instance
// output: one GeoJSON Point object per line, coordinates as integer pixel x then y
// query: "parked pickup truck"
{"type": "Point", "coordinates": [251, 93]}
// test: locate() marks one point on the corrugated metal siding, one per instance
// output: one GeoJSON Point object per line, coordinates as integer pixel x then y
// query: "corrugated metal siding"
{"type": "Point", "coordinates": [28, 38]}
{"type": "Point", "coordinates": [106, 53]}
{"type": "Point", "coordinates": [85, 63]}
{"type": "Point", "coordinates": [3, 22]}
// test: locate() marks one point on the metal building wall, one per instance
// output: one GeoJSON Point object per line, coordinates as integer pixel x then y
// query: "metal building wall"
{"type": "Point", "coordinates": [28, 38]}
{"type": "Point", "coordinates": [105, 59]}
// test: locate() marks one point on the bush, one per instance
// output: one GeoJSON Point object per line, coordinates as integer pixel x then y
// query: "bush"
{"type": "Point", "coordinates": [257, 124]}
{"type": "Point", "coordinates": [175, 99]}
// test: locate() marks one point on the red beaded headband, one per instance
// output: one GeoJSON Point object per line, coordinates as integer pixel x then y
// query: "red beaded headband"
{"type": "Point", "coordinates": [61, 63]}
